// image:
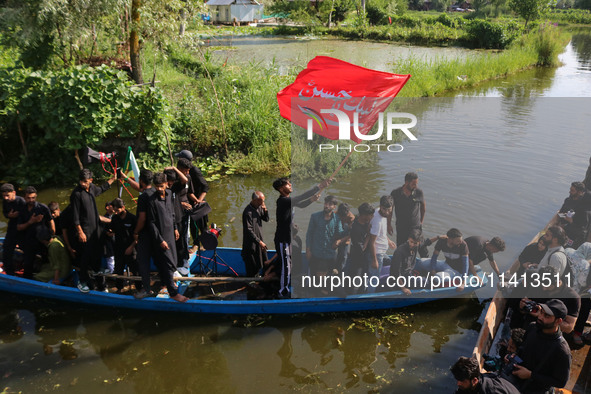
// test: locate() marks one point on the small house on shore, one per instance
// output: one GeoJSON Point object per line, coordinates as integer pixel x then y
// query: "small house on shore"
{"type": "Point", "coordinates": [230, 11]}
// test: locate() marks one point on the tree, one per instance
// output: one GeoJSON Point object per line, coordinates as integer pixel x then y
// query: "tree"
{"type": "Point", "coordinates": [530, 9]}
{"type": "Point", "coordinates": [42, 29]}
{"type": "Point", "coordinates": [134, 43]}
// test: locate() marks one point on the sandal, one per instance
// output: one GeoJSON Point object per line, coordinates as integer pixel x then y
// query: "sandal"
{"type": "Point", "coordinates": [577, 340]}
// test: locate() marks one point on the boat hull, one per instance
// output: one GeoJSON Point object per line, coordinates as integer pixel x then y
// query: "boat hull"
{"type": "Point", "coordinates": [228, 262]}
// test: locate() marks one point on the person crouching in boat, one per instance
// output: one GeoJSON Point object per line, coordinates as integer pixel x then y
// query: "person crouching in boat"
{"type": "Point", "coordinates": [466, 371]}
{"type": "Point", "coordinates": [456, 262]}
{"type": "Point", "coordinates": [163, 233]}
{"type": "Point", "coordinates": [405, 258]}
{"type": "Point", "coordinates": [58, 265]}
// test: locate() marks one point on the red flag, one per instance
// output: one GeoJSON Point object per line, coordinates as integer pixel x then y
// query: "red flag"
{"type": "Point", "coordinates": [332, 84]}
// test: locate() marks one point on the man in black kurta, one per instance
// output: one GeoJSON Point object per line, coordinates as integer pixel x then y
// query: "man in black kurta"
{"type": "Point", "coordinates": [11, 208]}
{"type": "Point", "coordinates": [198, 188]}
{"type": "Point", "coordinates": [163, 234]}
{"type": "Point", "coordinates": [254, 249]}
{"type": "Point", "coordinates": [85, 218]}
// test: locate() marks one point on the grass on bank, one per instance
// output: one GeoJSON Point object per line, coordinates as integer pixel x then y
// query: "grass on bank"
{"type": "Point", "coordinates": [429, 78]}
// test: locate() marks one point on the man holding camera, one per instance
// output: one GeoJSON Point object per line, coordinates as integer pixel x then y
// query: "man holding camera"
{"type": "Point", "coordinates": [551, 287]}
{"type": "Point", "coordinates": [545, 353]}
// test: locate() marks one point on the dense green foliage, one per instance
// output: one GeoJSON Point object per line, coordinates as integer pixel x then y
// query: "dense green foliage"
{"type": "Point", "coordinates": [570, 16]}
{"type": "Point", "coordinates": [61, 111]}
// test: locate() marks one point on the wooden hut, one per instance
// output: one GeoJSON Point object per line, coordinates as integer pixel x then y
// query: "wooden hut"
{"type": "Point", "coordinates": [230, 11]}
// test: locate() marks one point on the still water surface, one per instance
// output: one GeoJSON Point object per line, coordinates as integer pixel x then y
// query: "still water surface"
{"type": "Point", "coordinates": [505, 180]}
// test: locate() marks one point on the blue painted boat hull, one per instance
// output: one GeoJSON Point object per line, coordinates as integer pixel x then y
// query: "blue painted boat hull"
{"type": "Point", "coordinates": [227, 257]}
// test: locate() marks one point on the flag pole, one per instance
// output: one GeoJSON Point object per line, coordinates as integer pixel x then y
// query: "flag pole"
{"type": "Point", "coordinates": [334, 173]}
{"type": "Point", "coordinates": [341, 165]}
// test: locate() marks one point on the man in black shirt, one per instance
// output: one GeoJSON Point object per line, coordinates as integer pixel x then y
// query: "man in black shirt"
{"type": "Point", "coordinates": [530, 256]}
{"type": "Point", "coordinates": [11, 208]}
{"type": "Point", "coordinates": [466, 371]}
{"type": "Point", "coordinates": [34, 215]}
{"type": "Point", "coordinates": [480, 249]}
{"type": "Point", "coordinates": [254, 249]}
{"type": "Point", "coordinates": [577, 224]}
{"type": "Point", "coordinates": [404, 258]}
{"type": "Point", "coordinates": [122, 226]}
{"type": "Point", "coordinates": [455, 252]}
{"type": "Point", "coordinates": [540, 291]}
{"type": "Point", "coordinates": [409, 208]}
{"type": "Point", "coordinates": [284, 220]}
{"type": "Point", "coordinates": [85, 218]}
{"type": "Point", "coordinates": [545, 353]}
{"type": "Point", "coordinates": [163, 234]}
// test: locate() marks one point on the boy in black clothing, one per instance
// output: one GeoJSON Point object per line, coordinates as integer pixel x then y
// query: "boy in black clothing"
{"type": "Point", "coordinates": [122, 226]}
{"type": "Point", "coordinates": [284, 225]}
{"type": "Point", "coordinates": [163, 234]}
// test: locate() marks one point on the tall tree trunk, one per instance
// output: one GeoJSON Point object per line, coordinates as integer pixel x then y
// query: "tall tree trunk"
{"type": "Point", "coordinates": [183, 18]}
{"type": "Point", "coordinates": [134, 42]}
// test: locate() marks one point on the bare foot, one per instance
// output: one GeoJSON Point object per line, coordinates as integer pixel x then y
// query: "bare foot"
{"type": "Point", "coordinates": [179, 298]}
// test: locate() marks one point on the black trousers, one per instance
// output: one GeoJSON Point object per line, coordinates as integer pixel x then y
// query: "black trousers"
{"type": "Point", "coordinates": [145, 251]}
{"type": "Point", "coordinates": [121, 261]}
{"type": "Point", "coordinates": [166, 267]}
{"type": "Point", "coordinates": [8, 254]}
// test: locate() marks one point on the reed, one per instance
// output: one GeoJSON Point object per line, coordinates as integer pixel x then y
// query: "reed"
{"type": "Point", "coordinates": [429, 78]}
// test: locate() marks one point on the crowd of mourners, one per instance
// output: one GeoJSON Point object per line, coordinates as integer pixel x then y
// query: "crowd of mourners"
{"type": "Point", "coordinates": [172, 208]}
{"type": "Point", "coordinates": [548, 300]}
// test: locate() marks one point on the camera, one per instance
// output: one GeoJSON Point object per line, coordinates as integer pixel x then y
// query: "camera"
{"type": "Point", "coordinates": [531, 306]}
{"type": "Point", "coordinates": [513, 360]}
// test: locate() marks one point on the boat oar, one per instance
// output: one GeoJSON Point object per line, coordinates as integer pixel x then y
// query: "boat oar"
{"type": "Point", "coordinates": [209, 279]}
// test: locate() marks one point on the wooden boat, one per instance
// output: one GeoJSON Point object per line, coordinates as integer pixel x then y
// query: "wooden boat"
{"type": "Point", "coordinates": [228, 262]}
{"type": "Point", "coordinates": [580, 375]}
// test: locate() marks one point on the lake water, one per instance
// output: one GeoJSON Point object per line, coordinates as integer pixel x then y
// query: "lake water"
{"type": "Point", "coordinates": [500, 164]}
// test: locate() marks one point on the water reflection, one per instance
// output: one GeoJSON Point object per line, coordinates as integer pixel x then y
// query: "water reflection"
{"type": "Point", "coordinates": [581, 42]}
{"type": "Point", "coordinates": [169, 353]}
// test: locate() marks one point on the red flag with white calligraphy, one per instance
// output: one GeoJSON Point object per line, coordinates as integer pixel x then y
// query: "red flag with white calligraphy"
{"type": "Point", "coordinates": [338, 100]}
